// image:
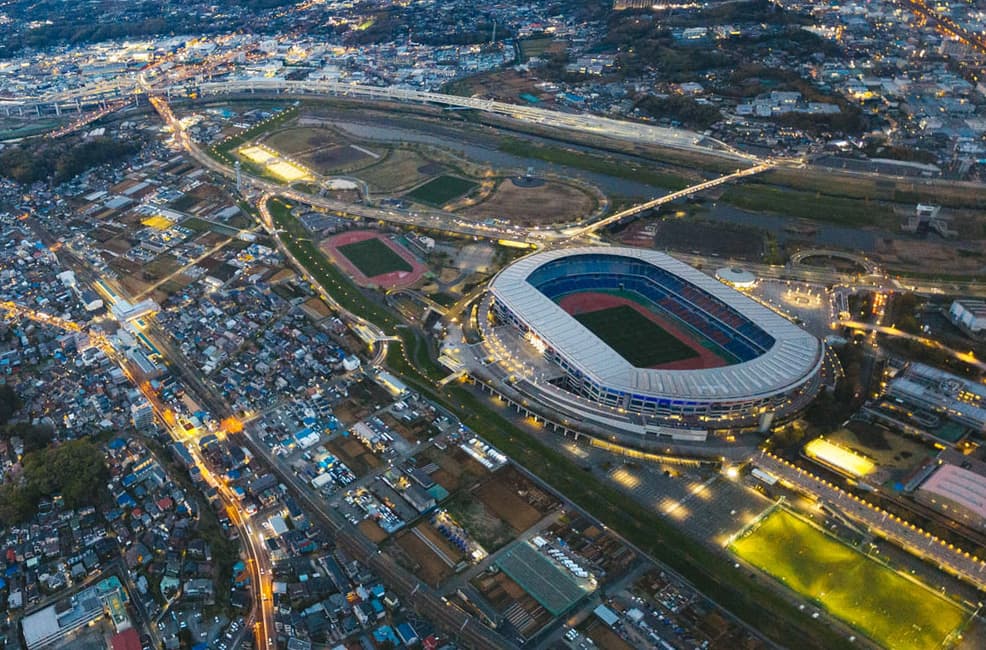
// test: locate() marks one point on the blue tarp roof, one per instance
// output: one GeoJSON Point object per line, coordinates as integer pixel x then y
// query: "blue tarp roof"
{"type": "Point", "coordinates": [385, 633]}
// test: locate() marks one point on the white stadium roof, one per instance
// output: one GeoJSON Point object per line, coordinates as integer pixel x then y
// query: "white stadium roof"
{"type": "Point", "coordinates": [794, 356]}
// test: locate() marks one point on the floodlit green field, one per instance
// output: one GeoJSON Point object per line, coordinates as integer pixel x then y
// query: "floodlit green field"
{"type": "Point", "coordinates": [890, 609]}
{"type": "Point", "coordinates": [635, 337]}
{"type": "Point", "coordinates": [373, 257]}
{"type": "Point", "coordinates": [441, 190]}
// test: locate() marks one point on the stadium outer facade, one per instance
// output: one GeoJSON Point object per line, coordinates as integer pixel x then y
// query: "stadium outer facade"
{"type": "Point", "coordinates": [775, 371]}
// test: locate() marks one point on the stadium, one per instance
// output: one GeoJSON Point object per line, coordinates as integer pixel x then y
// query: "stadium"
{"type": "Point", "coordinates": [635, 336]}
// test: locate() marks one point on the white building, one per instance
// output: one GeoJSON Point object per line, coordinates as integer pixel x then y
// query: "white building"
{"type": "Point", "coordinates": [968, 315]}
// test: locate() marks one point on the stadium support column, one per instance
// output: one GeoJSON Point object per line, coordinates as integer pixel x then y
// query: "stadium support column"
{"type": "Point", "coordinates": [766, 420]}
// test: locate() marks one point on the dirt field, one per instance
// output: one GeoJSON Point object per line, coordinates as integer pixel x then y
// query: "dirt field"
{"type": "Point", "coordinates": [129, 279]}
{"type": "Point", "coordinates": [321, 149]}
{"type": "Point", "coordinates": [482, 524]}
{"type": "Point", "coordinates": [317, 308]}
{"type": "Point", "coordinates": [504, 502]}
{"type": "Point", "coordinates": [414, 432]}
{"type": "Point", "coordinates": [500, 84]}
{"type": "Point", "coordinates": [398, 171]}
{"type": "Point", "coordinates": [929, 256]}
{"type": "Point", "coordinates": [372, 530]}
{"type": "Point", "coordinates": [711, 238]}
{"type": "Point", "coordinates": [161, 266]}
{"type": "Point", "coordinates": [605, 638]}
{"type": "Point", "coordinates": [354, 455]}
{"type": "Point", "coordinates": [457, 470]}
{"type": "Point", "coordinates": [529, 206]}
{"type": "Point", "coordinates": [514, 499]}
{"type": "Point", "coordinates": [296, 141]}
{"type": "Point", "coordinates": [350, 412]}
{"type": "Point", "coordinates": [429, 567]}
{"type": "Point", "coordinates": [199, 199]}
{"type": "Point", "coordinates": [336, 158]}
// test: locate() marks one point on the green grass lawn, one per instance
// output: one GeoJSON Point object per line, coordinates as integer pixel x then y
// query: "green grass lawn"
{"type": "Point", "coordinates": [373, 257]}
{"type": "Point", "coordinates": [582, 160]}
{"type": "Point", "coordinates": [887, 607]}
{"type": "Point", "coordinates": [441, 190]}
{"type": "Point", "coordinates": [531, 47]}
{"type": "Point", "coordinates": [634, 337]}
{"type": "Point", "coordinates": [814, 206]}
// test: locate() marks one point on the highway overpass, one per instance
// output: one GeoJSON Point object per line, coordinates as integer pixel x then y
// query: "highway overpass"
{"type": "Point", "coordinates": [99, 95]}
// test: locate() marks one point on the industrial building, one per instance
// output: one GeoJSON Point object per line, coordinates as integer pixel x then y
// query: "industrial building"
{"type": "Point", "coordinates": [73, 613]}
{"type": "Point", "coordinates": [957, 492]}
{"type": "Point", "coordinates": [946, 395]}
{"type": "Point", "coordinates": [969, 315]}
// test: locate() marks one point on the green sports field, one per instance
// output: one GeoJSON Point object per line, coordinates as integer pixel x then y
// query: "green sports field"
{"type": "Point", "coordinates": [885, 606]}
{"type": "Point", "coordinates": [635, 337]}
{"type": "Point", "coordinates": [441, 190]}
{"type": "Point", "coordinates": [373, 257]}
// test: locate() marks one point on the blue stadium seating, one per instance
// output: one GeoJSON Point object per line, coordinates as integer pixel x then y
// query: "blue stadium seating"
{"type": "Point", "coordinates": [659, 290]}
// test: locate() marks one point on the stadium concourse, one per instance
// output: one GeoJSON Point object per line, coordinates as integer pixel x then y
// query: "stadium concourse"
{"type": "Point", "coordinates": [635, 341]}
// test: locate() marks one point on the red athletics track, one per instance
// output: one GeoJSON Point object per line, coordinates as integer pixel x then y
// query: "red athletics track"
{"type": "Point", "coordinates": [395, 279]}
{"type": "Point", "coordinates": [589, 301]}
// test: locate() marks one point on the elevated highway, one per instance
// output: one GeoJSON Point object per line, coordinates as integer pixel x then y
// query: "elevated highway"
{"type": "Point", "coordinates": [98, 95]}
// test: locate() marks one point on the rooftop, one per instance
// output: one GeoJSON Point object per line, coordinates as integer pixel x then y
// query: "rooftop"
{"type": "Point", "coordinates": [794, 355]}
{"type": "Point", "coordinates": [960, 486]}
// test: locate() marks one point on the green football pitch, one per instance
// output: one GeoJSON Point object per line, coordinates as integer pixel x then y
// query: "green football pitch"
{"type": "Point", "coordinates": [441, 190]}
{"type": "Point", "coordinates": [373, 257]}
{"type": "Point", "coordinates": [894, 611]}
{"type": "Point", "coordinates": [635, 337]}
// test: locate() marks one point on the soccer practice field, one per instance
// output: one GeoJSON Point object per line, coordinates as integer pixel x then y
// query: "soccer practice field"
{"type": "Point", "coordinates": [373, 257]}
{"type": "Point", "coordinates": [635, 337]}
{"type": "Point", "coordinates": [441, 190]}
{"type": "Point", "coordinates": [894, 611]}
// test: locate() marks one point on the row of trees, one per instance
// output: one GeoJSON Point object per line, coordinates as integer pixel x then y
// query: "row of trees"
{"type": "Point", "coordinates": [60, 161]}
{"type": "Point", "coordinates": [9, 403]}
{"type": "Point", "coordinates": [684, 110]}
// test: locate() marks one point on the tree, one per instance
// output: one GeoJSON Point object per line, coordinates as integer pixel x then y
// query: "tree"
{"type": "Point", "coordinates": [60, 161]}
{"type": "Point", "coordinates": [76, 470]}
{"type": "Point", "coordinates": [681, 109]}
{"type": "Point", "coordinates": [34, 437]}
{"type": "Point", "coordinates": [9, 403]}
{"type": "Point", "coordinates": [15, 506]}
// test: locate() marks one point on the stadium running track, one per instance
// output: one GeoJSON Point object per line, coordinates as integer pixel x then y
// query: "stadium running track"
{"type": "Point", "coordinates": [395, 279]}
